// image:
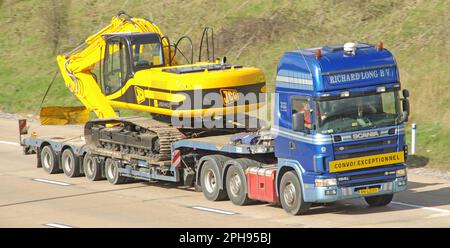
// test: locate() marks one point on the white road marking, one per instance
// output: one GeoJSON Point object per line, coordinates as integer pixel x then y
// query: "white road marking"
{"type": "Point", "coordinates": [213, 210]}
{"type": "Point", "coordinates": [9, 143]}
{"type": "Point", "coordinates": [423, 207]}
{"type": "Point", "coordinates": [51, 182]}
{"type": "Point", "coordinates": [56, 225]}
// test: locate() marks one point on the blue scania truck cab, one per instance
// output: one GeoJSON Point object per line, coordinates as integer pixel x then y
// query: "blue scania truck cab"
{"type": "Point", "coordinates": [339, 124]}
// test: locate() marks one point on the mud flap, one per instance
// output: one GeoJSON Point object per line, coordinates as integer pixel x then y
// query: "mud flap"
{"type": "Point", "coordinates": [64, 115]}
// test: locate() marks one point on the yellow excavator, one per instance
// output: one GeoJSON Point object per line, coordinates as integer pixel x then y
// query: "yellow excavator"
{"type": "Point", "coordinates": [130, 64]}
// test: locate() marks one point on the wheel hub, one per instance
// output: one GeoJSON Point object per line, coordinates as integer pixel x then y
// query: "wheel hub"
{"type": "Point", "coordinates": [90, 167]}
{"type": "Point", "coordinates": [111, 171]}
{"type": "Point", "coordinates": [235, 185]}
{"type": "Point", "coordinates": [68, 163]}
{"type": "Point", "coordinates": [210, 182]}
{"type": "Point", "coordinates": [47, 160]}
{"type": "Point", "coordinates": [289, 194]}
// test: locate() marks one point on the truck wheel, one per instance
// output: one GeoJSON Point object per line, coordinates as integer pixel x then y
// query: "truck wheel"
{"type": "Point", "coordinates": [197, 187]}
{"type": "Point", "coordinates": [291, 197]}
{"type": "Point", "coordinates": [92, 169]}
{"type": "Point", "coordinates": [209, 178]}
{"type": "Point", "coordinates": [70, 163]}
{"type": "Point", "coordinates": [237, 186]}
{"type": "Point", "coordinates": [112, 172]}
{"type": "Point", "coordinates": [379, 200]}
{"type": "Point", "coordinates": [49, 160]}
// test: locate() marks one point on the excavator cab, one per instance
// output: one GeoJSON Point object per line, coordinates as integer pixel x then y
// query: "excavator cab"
{"type": "Point", "coordinates": [127, 53]}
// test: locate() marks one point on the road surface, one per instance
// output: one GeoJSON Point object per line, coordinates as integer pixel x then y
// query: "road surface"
{"type": "Point", "coordinates": [31, 198]}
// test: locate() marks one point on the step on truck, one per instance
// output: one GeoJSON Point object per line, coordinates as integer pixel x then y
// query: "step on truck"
{"type": "Point", "coordinates": [338, 133]}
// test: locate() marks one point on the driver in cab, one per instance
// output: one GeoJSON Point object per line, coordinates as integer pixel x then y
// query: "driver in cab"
{"type": "Point", "coordinates": [302, 106]}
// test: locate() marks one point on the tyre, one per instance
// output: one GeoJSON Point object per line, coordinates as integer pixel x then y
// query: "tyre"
{"type": "Point", "coordinates": [236, 184]}
{"type": "Point", "coordinates": [379, 200]}
{"type": "Point", "coordinates": [291, 197]}
{"type": "Point", "coordinates": [210, 182]}
{"type": "Point", "coordinates": [112, 172]}
{"type": "Point", "coordinates": [38, 158]}
{"type": "Point", "coordinates": [92, 168]}
{"type": "Point", "coordinates": [49, 160]}
{"type": "Point", "coordinates": [197, 188]}
{"type": "Point", "coordinates": [70, 163]}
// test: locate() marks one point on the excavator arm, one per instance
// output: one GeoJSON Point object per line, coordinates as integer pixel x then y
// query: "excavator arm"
{"type": "Point", "coordinates": [77, 66]}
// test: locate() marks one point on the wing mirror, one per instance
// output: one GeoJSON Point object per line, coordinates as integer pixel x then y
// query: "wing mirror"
{"type": "Point", "coordinates": [298, 122]}
{"type": "Point", "coordinates": [405, 106]}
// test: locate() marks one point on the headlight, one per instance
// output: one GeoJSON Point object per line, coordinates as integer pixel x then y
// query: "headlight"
{"type": "Point", "coordinates": [326, 182]}
{"type": "Point", "coordinates": [400, 173]}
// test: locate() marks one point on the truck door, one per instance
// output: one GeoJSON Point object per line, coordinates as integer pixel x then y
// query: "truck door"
{"type": "Point", "coordinates": [115, 66]}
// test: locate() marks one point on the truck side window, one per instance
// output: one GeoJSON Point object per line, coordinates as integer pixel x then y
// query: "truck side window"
{"type": "Point", "coordinates": [302, 105]}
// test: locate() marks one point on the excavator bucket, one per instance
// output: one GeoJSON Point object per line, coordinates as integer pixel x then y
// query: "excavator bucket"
{"type": "Point", "coordinates": [64, 115]}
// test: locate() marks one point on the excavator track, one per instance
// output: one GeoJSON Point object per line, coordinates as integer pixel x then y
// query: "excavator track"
{"type": "Point", "coordinates": [141, 137]}
{"type": "Point", "coordinates": [167, 135]}
{"type": "Point", "coordinates": [145, 137]}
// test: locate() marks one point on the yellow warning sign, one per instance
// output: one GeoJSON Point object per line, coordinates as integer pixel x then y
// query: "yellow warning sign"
{"type": "Point", "coordinates": [367, 161]}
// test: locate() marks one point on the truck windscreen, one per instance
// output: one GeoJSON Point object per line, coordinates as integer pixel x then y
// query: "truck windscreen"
{"type": "Point", "coordinates": [358, 113]}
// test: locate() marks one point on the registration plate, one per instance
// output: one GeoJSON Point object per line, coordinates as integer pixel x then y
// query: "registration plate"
{"type": "Point", "coordinates": [368, 191]}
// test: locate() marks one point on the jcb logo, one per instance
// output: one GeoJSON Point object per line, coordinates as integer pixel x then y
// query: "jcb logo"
{"type": "Point", "coordinates": [229, 96]}
{"type": "Point", "coordinates": [140, 95]}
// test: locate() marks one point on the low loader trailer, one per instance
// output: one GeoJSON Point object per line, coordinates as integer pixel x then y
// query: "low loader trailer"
{"type": "Point", "coordinates": [338, 133]}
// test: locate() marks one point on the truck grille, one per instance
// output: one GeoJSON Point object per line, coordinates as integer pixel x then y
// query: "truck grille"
{"type": "Point", "coordinates": [365, 148]}
{"type": "Point", "coordinates": [362, 154]}
{"type": "Point", "coordinates": [377, 177]}
{"type": "Point", "coordinates": [366, 183]}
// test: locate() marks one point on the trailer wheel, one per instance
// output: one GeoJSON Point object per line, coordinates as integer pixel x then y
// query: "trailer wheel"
{"type": "Point", "coordinates": [112, 172]}
{"type": "Point", "coordinates": [210, 182]}
{"type": "Point", "coordinates": [70, 163]}
{"type": "Point", "coordinates": [291, 197]}
{"type": "Point", "coordinates": [38, 158]}
{"type": "Point", "coordinates": [236, 184]}
{"type": "Point", "coordinates": [92, 168]}
{"type": "Point", "coordinates": [49, 160]}
{"type": "Point", "coordinates": [379, 200]}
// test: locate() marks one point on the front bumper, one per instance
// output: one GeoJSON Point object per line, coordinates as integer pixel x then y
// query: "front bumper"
{"type": "Point", "coordinates": [324, 194]}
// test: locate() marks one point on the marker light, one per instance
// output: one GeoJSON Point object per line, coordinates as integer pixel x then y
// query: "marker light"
{"type": "Point", "coordinates": [350, 48]}
{"type": "Point", "coordinates": [379, 45]}
{"type": "Point", "coordinates": [400, 173]}
{"type": "Point", "coordinates": [318, 53]}
{"type": "Point", "coordinates": [34, 134]}
{"type": "Point", "coordinates": [381, 89]}
{"type": "Point", "coordinates": [345, 94]}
